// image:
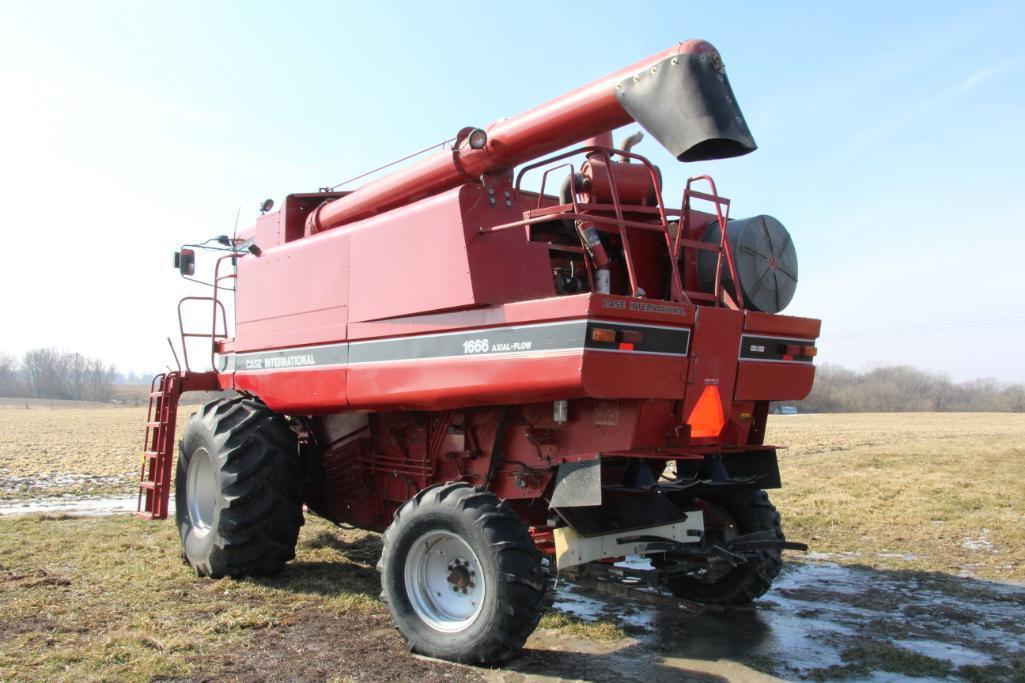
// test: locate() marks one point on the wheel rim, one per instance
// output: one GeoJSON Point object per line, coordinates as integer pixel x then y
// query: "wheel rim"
{"type": "Point", "coordinates": [444, 581]}
{"type": "Point", "coordinates": [201, 491]}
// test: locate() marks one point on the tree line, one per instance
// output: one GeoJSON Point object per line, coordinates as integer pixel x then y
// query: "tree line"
{"type": "Point", "coordinates": [901, 388]}
{"type": "Point", "coordinates": [56, 373]}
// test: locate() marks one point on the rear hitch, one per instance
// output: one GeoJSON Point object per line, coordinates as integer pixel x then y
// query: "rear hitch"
{"type": "Point", "coordinates": [731, 554]}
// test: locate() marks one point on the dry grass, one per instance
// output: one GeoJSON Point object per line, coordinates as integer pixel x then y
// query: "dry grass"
{"type": "Point", "coordinates": [71, 451]}
{"type": "Point", "coordinates": [937, 492]}
{"type": "Point", "coordinates": [109, 598]}
{"type": "Point", "coordinates": [601, 630]}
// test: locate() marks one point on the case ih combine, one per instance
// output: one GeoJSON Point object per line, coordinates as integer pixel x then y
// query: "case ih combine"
{"type": "Point", "coordinates": [507, 383]}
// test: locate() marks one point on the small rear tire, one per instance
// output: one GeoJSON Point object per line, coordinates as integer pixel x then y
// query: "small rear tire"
{"type": "Point", "coordinates": [731, 514]}
{"type": "Point", "coordinates": [238, 490]}
{"type": "Point", "coordinates": [461, 575]}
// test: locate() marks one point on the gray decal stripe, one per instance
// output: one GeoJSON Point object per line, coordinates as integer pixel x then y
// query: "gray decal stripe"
{"type": "Point", "coordinates": [288, 359]}
{"type": "Point", "coordinates": [494, 341]}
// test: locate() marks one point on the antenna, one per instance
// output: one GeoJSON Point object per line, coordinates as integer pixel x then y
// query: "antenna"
{"type": "Point", "coordinates": [234, 230]}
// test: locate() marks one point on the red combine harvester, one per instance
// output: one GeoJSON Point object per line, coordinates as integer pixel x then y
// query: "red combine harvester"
{"type": "Point", "coordinates": [507, 383]}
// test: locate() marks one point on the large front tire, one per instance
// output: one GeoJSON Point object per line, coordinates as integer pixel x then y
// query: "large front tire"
{"type": "Point", "coordinates": [238, 490]}
{"type": "Point", "coordinates": [461, 575]}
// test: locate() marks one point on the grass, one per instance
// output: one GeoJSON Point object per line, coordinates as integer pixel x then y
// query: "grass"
{"type": "Point", "coordinates": [934, 492]}
{"type": "Point", "coordinates": [109, 599]}
{"type": "Point", "coordinates": [601, 631]}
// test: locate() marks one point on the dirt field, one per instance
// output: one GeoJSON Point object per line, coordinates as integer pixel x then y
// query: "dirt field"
{"type": "Point", "coordinates": [898, 509]}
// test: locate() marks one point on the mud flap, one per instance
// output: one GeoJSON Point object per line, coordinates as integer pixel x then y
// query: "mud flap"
{"type": "Point", "coordinates": [577, 484]}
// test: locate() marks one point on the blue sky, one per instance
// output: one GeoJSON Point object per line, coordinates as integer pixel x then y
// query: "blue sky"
{"type": "Point", "coordinates": [891, 144]}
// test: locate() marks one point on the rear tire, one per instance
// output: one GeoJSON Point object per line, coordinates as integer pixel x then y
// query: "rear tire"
{"type": "Point", "coordinates": [238, 490]}
{"type": "Point", "coordinates": [748, 511]}
{"type": "Point", "coordinates": [461, 575]}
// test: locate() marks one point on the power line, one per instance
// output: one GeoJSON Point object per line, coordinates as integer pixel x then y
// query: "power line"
{"type": "Point", "coordinates": [933, 328]}
{"type": "Point", "coordinates": [439, 145]}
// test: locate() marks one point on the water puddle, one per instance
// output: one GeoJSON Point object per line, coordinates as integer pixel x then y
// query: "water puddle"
{"type": "Point", "coordinates": [74, 506]}
{"type": "Point", "coordinates": [821, 621]}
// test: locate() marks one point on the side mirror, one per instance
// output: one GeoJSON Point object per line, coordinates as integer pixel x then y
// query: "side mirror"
{"type": "Point", "coordinates": [185, 262]}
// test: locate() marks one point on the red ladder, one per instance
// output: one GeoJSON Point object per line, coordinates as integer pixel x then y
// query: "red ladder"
{"type": "Point", "coordinates": [158, 450]}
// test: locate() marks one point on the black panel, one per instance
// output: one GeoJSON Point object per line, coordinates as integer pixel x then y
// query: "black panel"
{"type": "Point", "coordinates": [622, 511]}
{"type": "Point", "coordinates": [771, 348]}
{"type": "Point", "coordinates": [655, 339]}
{"type": "Point", "coordinates": [762, 464]}
{"type": "Point", "coordinates": [686, 103]}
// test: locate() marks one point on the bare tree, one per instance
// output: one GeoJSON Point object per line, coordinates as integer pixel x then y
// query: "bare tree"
{"type": "Point", "coordinates": [899, 388]}
{"type": "Point", "coordinates": [10, 381]}
{"type": "Point", "coordinates": [47, 372]}
{"type": "Point", "coordinates": [53, 373]}
{"type": "Point", "coordinates": [99, 380]}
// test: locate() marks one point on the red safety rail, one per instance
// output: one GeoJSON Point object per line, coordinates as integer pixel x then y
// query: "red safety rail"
{"type": "Point", "coordinates": [597, 213]}
{"type": "Point", "coordinates": [158, 451]}
{"type": "Point", "coordinates": [619, 224]}
{"type": "Point", "coordinates": [722, 214]}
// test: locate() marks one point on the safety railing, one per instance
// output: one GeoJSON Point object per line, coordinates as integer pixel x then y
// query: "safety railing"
{"type": "Point", "coordinates": [720, 296]}
{"type": "Point", "coordinates": [592, 213]}
{"type": "Point", "coordinates": [617, 223]}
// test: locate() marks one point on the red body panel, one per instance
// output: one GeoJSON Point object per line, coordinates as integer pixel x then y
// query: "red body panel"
{"type": "Point", "coordinates": [419, 329]}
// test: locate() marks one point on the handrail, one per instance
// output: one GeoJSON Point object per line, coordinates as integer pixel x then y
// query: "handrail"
{"type": "Point", "coordinates": [605, 154]}
{"type": "Point", "coordinates": [217, 279]}
{"type": "Point", "coordinates": [213, 335]}
{"type": "Point", "coordinates": [724, 244]}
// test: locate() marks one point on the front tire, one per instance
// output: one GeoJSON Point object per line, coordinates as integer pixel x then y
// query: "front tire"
{"type": "Point", "coordinates": [461, 575]}
{"type": "Point", "coordinates": [238, 490]}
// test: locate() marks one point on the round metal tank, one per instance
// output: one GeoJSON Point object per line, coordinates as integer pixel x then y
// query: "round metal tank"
{"type": "Point", "coordinates": [764, 258]}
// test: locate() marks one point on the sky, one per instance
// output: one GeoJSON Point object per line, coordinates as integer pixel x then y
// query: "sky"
{"type": "Point", "coordinates": [891, 145]}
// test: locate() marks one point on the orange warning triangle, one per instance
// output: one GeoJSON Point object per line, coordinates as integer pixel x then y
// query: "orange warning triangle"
{"type": "Point", "coordinates": [706, 419]}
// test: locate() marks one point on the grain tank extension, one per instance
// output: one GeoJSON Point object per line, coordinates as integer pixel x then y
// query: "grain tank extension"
{"type": "Point", "coordinates": [508, 382]}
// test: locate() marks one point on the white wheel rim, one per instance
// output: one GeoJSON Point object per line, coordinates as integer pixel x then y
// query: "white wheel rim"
{"type": "Point", "coordinates": [444, 581]}
{"type": "Point", "coordinates": [201, 491]}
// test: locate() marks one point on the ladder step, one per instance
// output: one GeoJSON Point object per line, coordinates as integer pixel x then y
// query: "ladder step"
{"type": "Point", "coordinates": [151, 485]}
{"type": "Point", "coordinates": [155, 423]}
